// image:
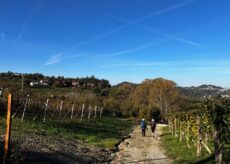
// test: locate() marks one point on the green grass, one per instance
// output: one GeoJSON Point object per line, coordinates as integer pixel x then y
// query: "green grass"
{"type": "Point", "coordinates": [104, 132]}
{"type": "Point", "coordinates": [180, 152]}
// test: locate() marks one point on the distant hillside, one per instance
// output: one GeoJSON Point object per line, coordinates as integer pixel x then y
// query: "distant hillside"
{"type": "Point", "coordinates": [123, 83]}
{"type": "Point", "coordinates": [40, 80]}
{"type": "Point", "coordinates": [37, 80]}
{"type": "Point", "coordinates": [204, 91]}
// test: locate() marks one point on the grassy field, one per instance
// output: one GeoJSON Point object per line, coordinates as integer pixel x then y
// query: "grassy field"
{"type": "Point", "coordinates": [181, 153]}
{"type": "Point", "coordinates": [104, 132]}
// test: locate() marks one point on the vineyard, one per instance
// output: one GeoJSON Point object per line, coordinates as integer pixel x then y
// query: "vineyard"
{"type": "Point", "coordinates": [69, 128]}
{"type": "Point", "coordinates": [51, 124]}
{"type": "Point", "coordinates": [43, 108]}
{"type": "Point", "coordinates": [206, 130]}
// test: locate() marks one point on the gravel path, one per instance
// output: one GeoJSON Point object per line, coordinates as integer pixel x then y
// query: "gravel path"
{"type": "Point", "coordinates": [138, 149]}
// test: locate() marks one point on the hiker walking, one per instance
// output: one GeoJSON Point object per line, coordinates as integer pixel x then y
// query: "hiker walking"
{"type": "Point", "coordinates": [153, 127]}
{"type": "Point", "coordinates": [143, 126]}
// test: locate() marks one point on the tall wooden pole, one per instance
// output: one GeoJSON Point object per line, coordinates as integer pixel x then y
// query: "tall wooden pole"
{"type": "Point", "coordinates": [8, 129]}
{"type": "Point", "coordinates": [23, 78]}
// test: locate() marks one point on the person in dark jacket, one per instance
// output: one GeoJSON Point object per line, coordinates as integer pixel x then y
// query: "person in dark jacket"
{"type": "Point", "coordinates": [153, 127]}
{"type": "Point", "coordinates": [143, 126]}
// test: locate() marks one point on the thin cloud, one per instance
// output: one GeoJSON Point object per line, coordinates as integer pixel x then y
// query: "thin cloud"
{"type": "Point", "coordinates": [207, 65]}
{"type": "Point", "coordinates": [224, 71]}
{"type": "Point", "coordinates": [142, 64]}
{"type": "Point", "coordinates": [59, 57]}
{"type": "Point", "coordinates": [54, 59]}
{"type": "Point", "coordinates": [2, 35]}
{"type": "Point", "coordinates": [211, 69]}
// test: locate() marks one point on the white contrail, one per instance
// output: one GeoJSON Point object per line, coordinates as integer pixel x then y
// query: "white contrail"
{"type": "Point", "coordinates": [131, 50]}
{"type": "Point", "coordinates": [100, 36]}
{"type": "Point", "coordinates": [127, 23]}
{"type": "Point", "coordinates": [22, 31]}
{"type": "Point", "coordinates": [30, 16]}
{"type": "Point", "coordinates": [171, 36]}
{"type": "Point", "coordinates": [165, 10]}
{"type": "Point", "coordinates": [111, 31]}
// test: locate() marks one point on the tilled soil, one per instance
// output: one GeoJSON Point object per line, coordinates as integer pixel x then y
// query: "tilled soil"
{"type": "Point", "coordinates": [45, 150]}
{"type": "Point", "coordinates": [138, 149]}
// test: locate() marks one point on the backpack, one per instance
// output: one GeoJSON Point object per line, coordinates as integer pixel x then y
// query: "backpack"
{"type": "Point", "coordinates": [143, 124]}
{"type": "Point", "coordinates": [153, 124]}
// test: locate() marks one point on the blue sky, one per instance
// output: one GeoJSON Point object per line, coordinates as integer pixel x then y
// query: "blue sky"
{"type": "Point", "coordinates": [187, 41]}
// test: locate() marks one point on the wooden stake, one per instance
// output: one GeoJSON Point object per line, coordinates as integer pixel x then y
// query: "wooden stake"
{"type": "Point", "coordinates": [180, 132]}
{"type": "Point", "coordinates": [101, 110]}
{"type": "Point", "coordinates": [169, 124]}
{"type": "Point", "coordinates": [72, 112]}
{"type": "Point", "coordinates": [175, 127]}
{"type": "Point", "coordinates": [46, 104]}
{"type": "Point", "coordinates": [60, 109]}
{"type": "Point", "coordinates": [8, 129]}
{"type": "Point", "coordinates": [198, 143]}
{"type": "Point", "coordinates": [95, 114]}
{"type": "Point", "coordinates": [23, 114]}
{"type": "Point", "coordinates": [172, 126]}
{"type": "Point", "coordinates": [82, 111]}
{"type": "Point", "coordinates": [187, 135]}
{"type": "Point", "coordinates": [89, 114]}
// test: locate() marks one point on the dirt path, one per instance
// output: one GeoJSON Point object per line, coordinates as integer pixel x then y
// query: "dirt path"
{"type": "Point", "coordinates": [138, 149]}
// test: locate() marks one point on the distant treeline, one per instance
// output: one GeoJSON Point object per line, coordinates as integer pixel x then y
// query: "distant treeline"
{"type": "Point", "coordinates": [153, 98]}
{"type": "Point", "coordinates": [52, 81]}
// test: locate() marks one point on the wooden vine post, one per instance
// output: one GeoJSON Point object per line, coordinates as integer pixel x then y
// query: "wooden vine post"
{"type": "Point", "coordinates": [169, 124]}
{"type": "Point", "coordinates": [95, 113]}
{"type": "Point", "coordinates": [175, 127]}
{"type": "Point", "coordinates": [188, 131]}
{"type": "Point", "coordinates": [24, 110]}
{"type": "Point", "coordinates": [82, 111]}
{"type": "Point", "coordinates": [60, 109]}
{"type": "Point", "coordinates": [46, 107]}
{"type": "Point", "coordinates": [89, 113]}
{"type": "Point", "coordinates": [172, 126]}
{"type": "Point", "coordinates": [180, 131]}
{"type": "Point", "coordinates": [101, 110]}
{"type": "Point", "coordinates": [8, 129]}
{"type": "Point", "coordinates": [72, 112]}
{"type": "Point", "coordinates": [198, 144]}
